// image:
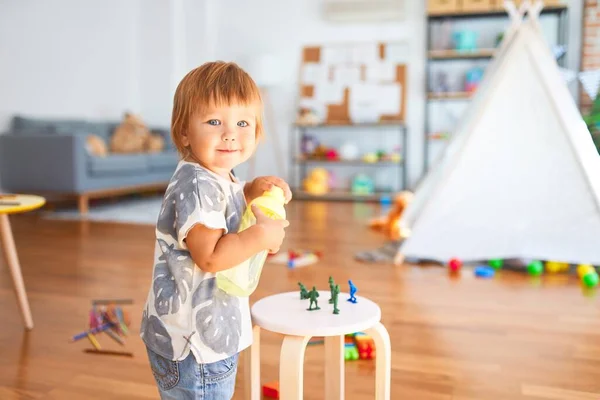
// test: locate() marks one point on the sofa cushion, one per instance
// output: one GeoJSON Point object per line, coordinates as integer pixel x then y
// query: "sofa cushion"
{"type": "Point", "coordinates": [118, 164]}
{"type": "Point", "coordinates": [166, 160]}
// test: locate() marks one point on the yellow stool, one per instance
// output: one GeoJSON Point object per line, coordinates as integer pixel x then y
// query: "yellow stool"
{"type": "Point", "coordinates": [12, 204]}
{"type": "Point", "coordinates": [286, 314]}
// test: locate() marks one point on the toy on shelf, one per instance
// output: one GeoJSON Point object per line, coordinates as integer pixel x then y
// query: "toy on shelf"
{"type": "Point", "coordinates": [349, 151]}
{"type": "Point", "coordinates": [106, 316]}
{"type": "Point", "coordinates": [309, 144]}
{"type": "Point", "coordinates": [472, 79]}
{"type": "Point", "coordinates": [465, 40]}
{"type": "Point", "coordinates": [313, 295]}
{"type": "Point", "coordinates": [317, 182]}
{"type": "Point", "coordinates": [362, 185]}
{"type": "Point", "coordinates": [353, 291]}
{"type": "Point", "coordinates": [307, 117]}
{"type": "Point", "coordinates": [390, 224]}
{"type": "Point", "coordinates": [370, 158]}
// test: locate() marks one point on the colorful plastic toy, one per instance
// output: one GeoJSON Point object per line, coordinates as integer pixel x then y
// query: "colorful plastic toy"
{"type": "Point", "coordinates": [365, 346]}
{"type": "Point", "coordinates": [496, 263]}
{"type": "Point", "coordinates": [584, 269]}
{"type": "Point", "coordinates": [554, 267]}
{"type": "Point", "coordinates": [353, 290]}
{"type": "Point", "coordinates": [455, 264]}
{"type": "Point", "coordinates": [271, 390]}
{"type": "Point", "coordinates": [331, 289]}
{"type": "Point", "coordinates": [591, 279]}
{"type": "Point", "coordinates": [535, 268]}
{"type": "Point", "coordinates": [350, 351]}
{"type": "Point", "coordinates": [484, 272]}
{"type": "Point", "coordinates": [303, 291]}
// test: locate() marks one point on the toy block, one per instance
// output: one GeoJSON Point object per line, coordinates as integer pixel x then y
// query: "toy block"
{"type": "Point", "coordinates": [271, 390]}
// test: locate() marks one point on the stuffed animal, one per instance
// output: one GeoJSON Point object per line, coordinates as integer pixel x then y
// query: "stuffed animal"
{"type": "Point", "coordinates": [131, 136]}
{"type": "Point", "coordinates": [390, 224]}
{"type": "Point", "coordinates": [95, 145]}
{"type": "Point", "coordinates": [317, 181]}
{"type": "Point", "coordinates": [155, 143]}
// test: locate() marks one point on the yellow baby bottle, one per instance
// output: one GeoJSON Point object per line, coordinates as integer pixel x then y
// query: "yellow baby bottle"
{"type": "Point", "coordinates": [242, 279]}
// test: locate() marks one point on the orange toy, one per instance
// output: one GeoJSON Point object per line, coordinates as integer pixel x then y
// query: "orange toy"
{"type": "Point", "coordinates": [390, 224]}
{"type": "Point", "coordinates": [271, 390]}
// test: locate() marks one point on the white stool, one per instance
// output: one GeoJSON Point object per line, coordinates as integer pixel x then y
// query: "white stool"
{"type": "Point", "coordinates": [286, 314]}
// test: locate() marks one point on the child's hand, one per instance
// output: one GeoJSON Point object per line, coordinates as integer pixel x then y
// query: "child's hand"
{"type": "Point", "coordinates": [273, 229]}
{"type": "Point", "coordinates": [262, 184]}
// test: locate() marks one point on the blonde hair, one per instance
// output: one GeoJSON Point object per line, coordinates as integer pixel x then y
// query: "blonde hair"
{"type": "Point", "coordinates": [218, 83]}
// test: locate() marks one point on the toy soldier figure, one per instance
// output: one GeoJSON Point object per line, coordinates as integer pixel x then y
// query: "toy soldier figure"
{"type": "Point", "coordinates": [331, 287]}
{"type": "Point", "coordinates": [303, 291]}
{"type": "Point", "coordinates": [312, 295]}
{"type": "Point", "coordinates": [336, 292]}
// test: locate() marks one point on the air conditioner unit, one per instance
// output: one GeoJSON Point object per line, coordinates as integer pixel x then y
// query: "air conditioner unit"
{"type": "Point", "coordinates": [363, 10]}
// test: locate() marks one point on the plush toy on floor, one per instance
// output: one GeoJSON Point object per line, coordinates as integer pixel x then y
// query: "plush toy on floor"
{"type": "Point", "coordinates": [390, 224]}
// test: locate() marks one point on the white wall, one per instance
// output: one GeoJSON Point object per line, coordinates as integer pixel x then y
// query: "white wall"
{"type": "Point", "coordinates": [68, 58]}
{"type": "Point", "coordinates": [282, 28]}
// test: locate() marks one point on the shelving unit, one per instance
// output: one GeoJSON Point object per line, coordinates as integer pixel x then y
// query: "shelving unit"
{"type": "Point", "coordinates": [482, 55]}
{"type": "Point", "coordinates": [299, 131]}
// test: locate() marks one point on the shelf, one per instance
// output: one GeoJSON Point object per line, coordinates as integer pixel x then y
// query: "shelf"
{"type": "Point", "coordinates": [382, 124]}
{"type": "Point", "coordinates": [460, 55]}
{"type": "Point", "coordinates": [347, 162]}
{"type": "Point", "coordinates": [493, 13]}
{"type": "Point", "coordinates": [449, 96]}
{"type": "Point", "coordinates": [338, 195]}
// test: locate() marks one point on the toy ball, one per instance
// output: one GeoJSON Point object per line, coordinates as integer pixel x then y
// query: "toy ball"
{"type": "Point", "coordinates": [484, 272]}
{"type": "Point", "coordinates": [455, 264]}
{"type": "Point", "coordinates": [535, 268]}
{"type": "Point", "coordinates": [554, 267]}
{"type": "Point", "coordinates": [496, 263]}
{"type": "Point", "coordinates": [349, 151]}
{"type": "Point", "coordinates": [584, 269]}
{"type": "Point", "coordinates": [591, 279]}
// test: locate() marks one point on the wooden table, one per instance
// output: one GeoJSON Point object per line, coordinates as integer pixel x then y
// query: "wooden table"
{"type": "Point", "coordinates": [287, 314]}
{"type": "Point", "coordinates": [12, 204]}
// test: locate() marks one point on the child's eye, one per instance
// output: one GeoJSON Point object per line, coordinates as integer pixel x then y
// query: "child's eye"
{"type": "Point", "coordinates": [243, 124]}
{"type": "Point", "coordinates": [214, 122]}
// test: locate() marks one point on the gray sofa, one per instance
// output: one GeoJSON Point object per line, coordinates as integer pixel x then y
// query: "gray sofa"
{"type": "Point", "coordinates": [50, 157]}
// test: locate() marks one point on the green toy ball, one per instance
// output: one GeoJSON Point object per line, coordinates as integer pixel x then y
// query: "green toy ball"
{"type": "Point", "coordinates": [591, 279]}
{"type": "Point", "coordinates": [535, 268]}
{"type": "Point", "coordinates": [496, 263]}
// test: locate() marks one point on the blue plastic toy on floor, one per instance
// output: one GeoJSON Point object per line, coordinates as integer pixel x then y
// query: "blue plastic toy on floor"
{"type": "Point", "coordinates": [352, 298]}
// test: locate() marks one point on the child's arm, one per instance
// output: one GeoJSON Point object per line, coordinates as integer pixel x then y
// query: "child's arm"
{"type": "Point", "coordinates": [212, 251]}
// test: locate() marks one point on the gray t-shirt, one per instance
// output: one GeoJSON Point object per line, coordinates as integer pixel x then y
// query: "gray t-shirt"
{"type": "Point", "coordinates": [185, 310]}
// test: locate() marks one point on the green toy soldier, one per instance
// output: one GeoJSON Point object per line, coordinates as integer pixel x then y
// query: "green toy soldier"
{"type": "Point", "coordinates": [331, 287]}
{"type": "Point", "coordinates": [303, 291]}
{"type": "Point", "coordinates": [336, 292]}
{"type": "Point", "coordinates": [312, 295]}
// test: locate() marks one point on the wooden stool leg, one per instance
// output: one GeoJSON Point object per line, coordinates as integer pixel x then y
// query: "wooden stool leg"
{"type": "Point", "coordinates": [383, 366]}
{"type": "Point", "coordinates": [252, 367]}
{"type": "Point", "coordinates": [334, 367]}
{"type": "Point", "coordinates": [291, 367]}
{"type": "Point", "coordinates": [10, 254]}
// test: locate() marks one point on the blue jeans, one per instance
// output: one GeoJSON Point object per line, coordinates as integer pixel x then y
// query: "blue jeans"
{"type": "Point", "coordinates": [189, 380]}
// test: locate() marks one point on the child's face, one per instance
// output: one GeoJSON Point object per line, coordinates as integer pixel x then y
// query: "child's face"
{"type": "Point", "coordinates": [222, 137]}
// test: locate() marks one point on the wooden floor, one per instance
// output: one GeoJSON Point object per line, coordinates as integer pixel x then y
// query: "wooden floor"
{"type": "Point", "coordinates": [465, 338]}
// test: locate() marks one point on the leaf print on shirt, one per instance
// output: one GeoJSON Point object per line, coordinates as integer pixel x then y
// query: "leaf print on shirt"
{"type": "Point", "coordinates": [219, 322]}
{"type": "Point", "coordinates": [172, 279]}
{"type": "Point", "coordinates": [182, 199]}
{"type": "Point", "coordinates": [155, 335]}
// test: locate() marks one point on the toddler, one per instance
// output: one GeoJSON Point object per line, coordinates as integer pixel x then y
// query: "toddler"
{"type": "Point", "coordinates": [194, 331]}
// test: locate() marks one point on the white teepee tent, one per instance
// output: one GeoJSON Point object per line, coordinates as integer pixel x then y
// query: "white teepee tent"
{"type": "Point", "coordinates": [521, 177]}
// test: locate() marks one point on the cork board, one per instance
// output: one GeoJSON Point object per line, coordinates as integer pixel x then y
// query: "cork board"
{"type": "Point", "coordinates": [354, 82]}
